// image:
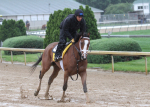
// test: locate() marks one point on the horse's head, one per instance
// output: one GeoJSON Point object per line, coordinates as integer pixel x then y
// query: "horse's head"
{"type": "Point", "coordinates": [84, 43]}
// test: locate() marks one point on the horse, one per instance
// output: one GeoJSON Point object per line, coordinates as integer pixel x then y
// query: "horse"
{"type": "Point", "coordinates": [74, 62]}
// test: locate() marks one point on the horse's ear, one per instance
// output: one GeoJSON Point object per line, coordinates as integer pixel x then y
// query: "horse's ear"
{"type": "Point", "coordinates": [81, 37]}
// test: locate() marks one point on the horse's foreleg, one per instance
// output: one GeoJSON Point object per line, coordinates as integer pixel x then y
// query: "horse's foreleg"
{"type": "Point", "coordinates": [39, 87]}
{"type": "Point", "coordinates": [83, 79]}
{"type": "Point", "coordinates": [51, 78]}
{"type": "Point", "coordinates": [64, 86]}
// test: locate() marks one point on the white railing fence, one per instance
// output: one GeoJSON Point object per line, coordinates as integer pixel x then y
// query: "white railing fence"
{"type": "Point", "coordinates": [112, 53]}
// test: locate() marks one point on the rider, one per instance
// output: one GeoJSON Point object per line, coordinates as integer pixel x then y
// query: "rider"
{"type": "Point", "coordinates": [68, 28]}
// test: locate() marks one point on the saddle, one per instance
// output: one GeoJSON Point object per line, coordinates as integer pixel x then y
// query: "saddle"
{"type": "Point", "coordinates": [67, 46]}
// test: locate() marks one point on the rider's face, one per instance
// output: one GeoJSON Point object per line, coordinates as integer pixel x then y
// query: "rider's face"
{"type": "Point", "coordinates": [79, 18]}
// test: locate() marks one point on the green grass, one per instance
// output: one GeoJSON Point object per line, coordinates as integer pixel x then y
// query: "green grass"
{"type": "Point", "coordinates": [135, 65]}
{"type": "Point", "coordinates": [139, 32]}
{"type": "Point", "coordinates": [20, 58]}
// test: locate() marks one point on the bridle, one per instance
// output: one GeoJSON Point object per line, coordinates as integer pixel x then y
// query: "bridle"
{"type": "Point", "coordinates": [80, 54]}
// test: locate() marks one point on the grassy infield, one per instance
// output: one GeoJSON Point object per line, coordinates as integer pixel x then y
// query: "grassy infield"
{"type": "Point", "coordinates": [135, 65]}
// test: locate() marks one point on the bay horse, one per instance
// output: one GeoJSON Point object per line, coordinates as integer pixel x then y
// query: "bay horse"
{"type": "Point", "coordinates": [74, 62]}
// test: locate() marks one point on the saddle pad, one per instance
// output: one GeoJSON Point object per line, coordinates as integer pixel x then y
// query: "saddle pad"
{"type": "Point", "coordinates": [54, 49]}
{"type": "Point", "coordinates": [64, 51]}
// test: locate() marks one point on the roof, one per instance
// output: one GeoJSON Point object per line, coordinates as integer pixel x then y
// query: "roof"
{"type": "Point", "coordinates": [28, 7]}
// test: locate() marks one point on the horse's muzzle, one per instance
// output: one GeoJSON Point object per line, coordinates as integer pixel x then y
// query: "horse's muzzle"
{"type": "Point", "coordinates": [82, 58]}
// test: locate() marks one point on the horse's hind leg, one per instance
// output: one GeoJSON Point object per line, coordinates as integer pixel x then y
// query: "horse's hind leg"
{"type": "Point", "coordinates": [45, 68]}
{"type": "Point", "coordinates": [39, 87]}
{"type": "Point", "coordinates": [51, 78]}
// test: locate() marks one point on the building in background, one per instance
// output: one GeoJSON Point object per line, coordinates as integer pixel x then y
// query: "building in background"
{"type": "Point", "coordinates": [142, 5]}
{"type": "Point", "coordinates": [37, 11]}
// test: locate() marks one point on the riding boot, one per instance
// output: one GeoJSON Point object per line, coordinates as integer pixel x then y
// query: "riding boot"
{"type": "Point", "coordinates": [58, 54]}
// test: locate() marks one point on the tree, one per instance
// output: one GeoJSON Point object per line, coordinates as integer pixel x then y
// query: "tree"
{"type": "Point", "coordinates": [100, 4]}
{"type": "Point", "coordinates": [127, 1]}
{"type": "Point", "coordinates": [119, 8]}
{"type": "Point", "coordinates": [11, 28]}
{"type": "Point", "coordinates": [53, 31]}
{"type": "Point", "coordinates": [103, 4]}
{"type": "Point", "coordinates": [91, 25]}
{"type": "Point", "coordinates": [21, 25]}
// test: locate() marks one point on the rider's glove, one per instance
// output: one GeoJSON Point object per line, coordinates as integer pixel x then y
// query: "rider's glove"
{"type": "Point", "coordinates": [72, 41]}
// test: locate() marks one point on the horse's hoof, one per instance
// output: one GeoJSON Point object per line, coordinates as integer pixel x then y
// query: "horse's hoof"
{"type": "Point", "coordinates": [35, 93]}
{"type": "Point", "coordinates": [48, 97]}
{"type": "Point", "coordinates": [60, 101]}
{"type": "Point", "coordinates": [87, 102]}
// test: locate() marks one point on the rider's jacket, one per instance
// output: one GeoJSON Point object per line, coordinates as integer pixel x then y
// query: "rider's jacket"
{"type": "Point", "coordinates": [70, 25]}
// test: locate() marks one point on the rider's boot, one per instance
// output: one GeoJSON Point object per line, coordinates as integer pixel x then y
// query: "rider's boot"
{"type": "Point", "coordinates": [58, 54]}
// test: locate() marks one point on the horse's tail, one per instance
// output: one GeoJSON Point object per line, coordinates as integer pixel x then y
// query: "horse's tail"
{"type": "Point", "coordinates": [35, 65]}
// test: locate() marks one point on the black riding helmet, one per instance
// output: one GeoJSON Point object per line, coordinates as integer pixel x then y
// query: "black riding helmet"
{"type": "Point", "coordinates": [78, 12]}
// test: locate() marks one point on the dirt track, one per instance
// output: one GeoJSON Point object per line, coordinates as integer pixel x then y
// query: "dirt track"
{"type": "Point", "coordinates": [105, 89]}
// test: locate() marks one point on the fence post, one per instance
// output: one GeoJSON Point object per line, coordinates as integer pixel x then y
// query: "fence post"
{"type": "Point", "coordinates": [145, 65]}
{"type": "Point", "coordinates": [127, 28]}
{"type": "Point", "coordinates": [11, 57]}
{"type": "Point", "coordinates": [146, 26]}
{"type": "Point", "coordinates": [1, 55]}
{"type": "Point", "coordinates": [135, 28]}
{"type": "Point", "coordinates": [105, 29]}
{"type": "Point", "coordinates": [120, 28]}
{"type": "Point", "coordinates": [141, 26]}
{"type": "Point", "coordinates": [25, 57]}
{"type": "Point", "coordinates": [112, 63]}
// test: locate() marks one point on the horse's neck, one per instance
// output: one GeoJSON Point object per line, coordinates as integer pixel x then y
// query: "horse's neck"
{"type": "Point", "coordinates": [77, 45]}
{"type": "Point", "coordinates": [75, 52]}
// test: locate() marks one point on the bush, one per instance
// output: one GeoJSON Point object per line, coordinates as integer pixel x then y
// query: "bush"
{"type": "Point", "coordinates": [113, 44]}
{"type": "Point", "coordinates": [23, 42]}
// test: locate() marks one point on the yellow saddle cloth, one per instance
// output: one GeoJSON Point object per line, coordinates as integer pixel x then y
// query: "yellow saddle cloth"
{"type": "Point", "coordinates": [64, 51]}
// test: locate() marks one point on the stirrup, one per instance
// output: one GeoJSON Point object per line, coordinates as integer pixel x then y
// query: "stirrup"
{"type": "Point", "coordinates": [58, 58]}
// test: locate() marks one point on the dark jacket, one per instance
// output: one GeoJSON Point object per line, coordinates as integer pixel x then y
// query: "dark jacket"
{"type": "Point", "coordinates": [70, 25]}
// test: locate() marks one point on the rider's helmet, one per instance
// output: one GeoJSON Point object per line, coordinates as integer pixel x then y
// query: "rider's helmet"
{"type": "Point", "coordinates": [78, 12]}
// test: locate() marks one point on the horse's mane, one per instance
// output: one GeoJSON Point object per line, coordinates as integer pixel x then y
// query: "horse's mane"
{"type": "Point", "coordinates": [85, 34]}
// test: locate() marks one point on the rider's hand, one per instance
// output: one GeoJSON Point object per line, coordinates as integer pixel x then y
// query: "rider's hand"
{"type": "Point", "coordinates": [72, 41]}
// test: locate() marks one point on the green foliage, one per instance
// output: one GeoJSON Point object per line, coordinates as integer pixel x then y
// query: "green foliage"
{"type": "Point", "coordinates": [119, 8]}
{"type": "Point", "coordinates": [113, 44]}
{"type": "Point", "coordinates": [103, 4]}
{"type": "Point", "coordinates": [21, 25]}
{"type": "Point", "coordinates": [53, 31]}
{"type": "Point", "coordinates": [91, 25]}
{"type": "Point", "coordinates": [23, 42]}
{"type": "Point", "coordinates": [12, 28]}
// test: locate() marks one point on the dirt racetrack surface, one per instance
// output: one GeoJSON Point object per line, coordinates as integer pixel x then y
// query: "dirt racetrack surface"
{"type": "Point", "coordinates": [106, 89]}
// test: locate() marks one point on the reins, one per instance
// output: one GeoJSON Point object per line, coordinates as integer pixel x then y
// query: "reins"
{"type": "Point", "coordinates": [76, 61]}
